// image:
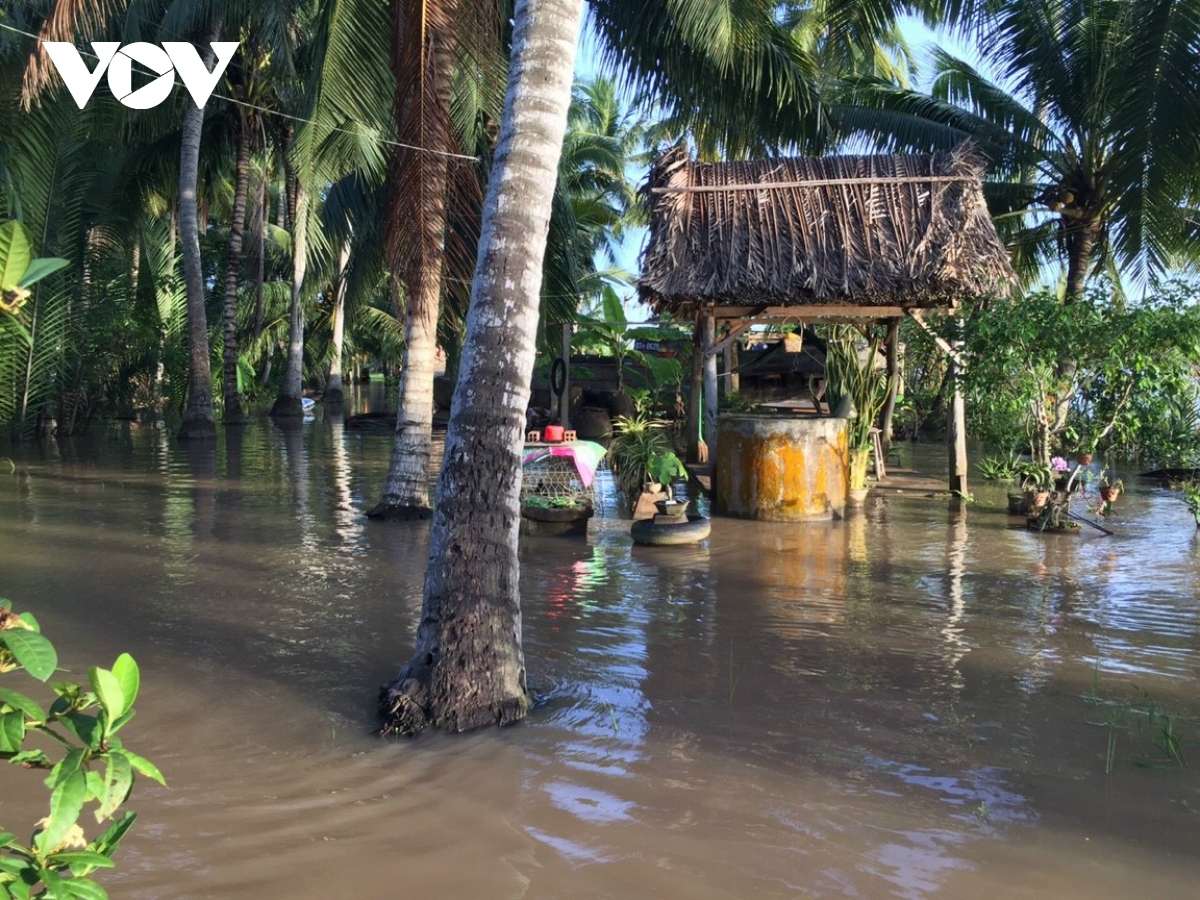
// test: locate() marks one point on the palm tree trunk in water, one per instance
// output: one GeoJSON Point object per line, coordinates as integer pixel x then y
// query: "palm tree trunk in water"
{"type": "Point", "coordinates": [468, 670]}
{"type": "Point", "coordinates": [198, 416]}
{"type": "Point", "coordinates": [406, 490]}
{"type": "Point", "coordinates": [288, 404]}
{"type": "Point", "coordinates": [334, 392]}
{"type": "Point", "coordinates": [233, 402]}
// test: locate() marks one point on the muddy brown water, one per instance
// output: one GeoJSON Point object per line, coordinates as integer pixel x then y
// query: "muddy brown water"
{"type": "Point", "coordinates": [907, 703]}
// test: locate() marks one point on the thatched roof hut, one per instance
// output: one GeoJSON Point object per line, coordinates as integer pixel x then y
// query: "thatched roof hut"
{"type": "Point", "coordinates": [896, 232]}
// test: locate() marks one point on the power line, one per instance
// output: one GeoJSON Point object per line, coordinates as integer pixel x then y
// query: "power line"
{"type": "Point", "coordinates": [275, 112]}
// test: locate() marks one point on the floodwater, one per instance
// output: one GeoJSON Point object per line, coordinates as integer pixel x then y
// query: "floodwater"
{"type": "Point", "coordinates": [910, 703]}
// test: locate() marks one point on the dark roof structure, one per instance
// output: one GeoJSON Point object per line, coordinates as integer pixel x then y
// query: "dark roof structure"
{"type": "Point", "coordinates": [864, 234]}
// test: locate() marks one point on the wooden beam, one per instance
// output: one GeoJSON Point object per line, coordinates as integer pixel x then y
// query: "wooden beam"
{"type": "Point", "coordinates": [807, 312]}
{"type": "Point", "coordinates": [943, 344]}
{"type": "Point", "coordinates": [734, 334]}
{"type": "Point", "coordinates": [815, 183]}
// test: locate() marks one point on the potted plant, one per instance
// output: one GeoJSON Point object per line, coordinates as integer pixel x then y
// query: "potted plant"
{"type": "Point", "coordinates": [637, 442]}
{"type": "Point", "coordinates": [852, 376]}
{"type": "Point", "coordinates": [664, 469]}
{"type": "Point", "coordinates": [1110, 488]}
{"type": "Point", "coordinates": [1037, 480]}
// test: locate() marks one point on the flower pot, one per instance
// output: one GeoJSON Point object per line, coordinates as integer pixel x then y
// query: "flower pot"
{"type": "Point", "coordinates": [672, 507]}
{"type": "Point", "coordinates": [552, 434]}
{"type": "Point", "coordinates": [1109, 494]}
{"type": "Point", "coordinates": [857, 496]}
{"type": "Point", "coordinates": [1036, 500]}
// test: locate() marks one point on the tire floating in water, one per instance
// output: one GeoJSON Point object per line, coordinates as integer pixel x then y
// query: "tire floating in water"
{"type": "Point", "coordinates": [649, 533]}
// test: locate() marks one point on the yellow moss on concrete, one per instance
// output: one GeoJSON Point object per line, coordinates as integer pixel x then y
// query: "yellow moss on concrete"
{"type": "Point", "coordinates": [781, 469]}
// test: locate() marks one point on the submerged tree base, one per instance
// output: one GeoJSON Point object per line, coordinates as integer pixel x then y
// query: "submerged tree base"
{"type": "Point", "coordinates": [288, 408]}
{"type": "Point", "coordinates": [399, 512]}
{"type": "Point", "coordinates": [197, 428]}
{"type": "Point", "coordinates": [428, 696]}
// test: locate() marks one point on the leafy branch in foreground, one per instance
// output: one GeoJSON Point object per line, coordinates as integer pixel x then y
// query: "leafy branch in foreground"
{"type": "Point", "coordinates": [96, 767]}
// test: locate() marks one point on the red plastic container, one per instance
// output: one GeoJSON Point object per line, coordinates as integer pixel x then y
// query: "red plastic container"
{"type": "Point", "coordinates": [552, 434]}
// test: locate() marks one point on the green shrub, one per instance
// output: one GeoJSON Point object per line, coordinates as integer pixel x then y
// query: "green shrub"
{"type": "Point", "coordinates": [96, 767]}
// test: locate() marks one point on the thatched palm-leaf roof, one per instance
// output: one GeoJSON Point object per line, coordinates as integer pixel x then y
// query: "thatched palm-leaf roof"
{"type": "Point", "coordinates": [908, 231]}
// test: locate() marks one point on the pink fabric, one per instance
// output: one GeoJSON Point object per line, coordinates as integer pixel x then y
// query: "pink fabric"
{"type": "Point", "coordinates": [586, 455]}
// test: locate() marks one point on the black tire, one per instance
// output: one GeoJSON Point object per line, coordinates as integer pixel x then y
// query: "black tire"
{"type": "Point", "coordinates": [558, 376]}
{"type": "Point", "coordinates": [647, 533]}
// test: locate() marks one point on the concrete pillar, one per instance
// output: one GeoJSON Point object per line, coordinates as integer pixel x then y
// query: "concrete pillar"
{"type": "Point", "coordinates": [781, 469]}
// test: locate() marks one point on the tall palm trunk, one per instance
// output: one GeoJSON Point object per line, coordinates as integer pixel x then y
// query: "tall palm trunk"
{"type": "Point", "coordinates": [417, 230]}
{"type": "Point", "coordinates": [468, 670]}
{"type": "Point", "coordinates": [241, 187]}
{"type": "Point", "coordinates": [288, 404]}
{"type": "Point", "coordinates": [198, 416]}
{"type": "Point", "coordinates": [1081, 239]}
{"type": "Point", "coordinates": [334, 392]}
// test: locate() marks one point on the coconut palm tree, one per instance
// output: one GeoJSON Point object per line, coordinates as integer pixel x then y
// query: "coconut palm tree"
{"type": "Point", "coordinates": [1090, 124]}
{"type": "Point", "coordinates": [468, 670]}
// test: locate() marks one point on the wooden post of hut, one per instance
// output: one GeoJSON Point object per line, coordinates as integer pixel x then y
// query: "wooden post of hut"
{"type": "Point", "coordinates": [893, 371]}
{"type": "Point", "coordinates": [956, 428]}
{"type": "Point", "coordinates": [564, 404]}
{"type": "Point", "coordinates": [733, 381]}
{"type": "Point", "coordinates": [710, 384]}
{"type": "Point", "coordinates": [695, 404]}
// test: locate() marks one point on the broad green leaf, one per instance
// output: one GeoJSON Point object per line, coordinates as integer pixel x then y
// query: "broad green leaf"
{"type": "Point", "coordinates": [6, 838]}
{"type": "Point", "coordinates": [31, 622]}
{"type": "Point", "coordinates": [83, 727]}
{"type": "Point", "coordinates": [53, 881]}
{"type": "Point", "coordinates": [95, 785]}
{"type": "Point", "coordinates": [120, 723]}
{"type": "Point", "coordinates": [19, 701]}
{"type": "Point", "coordinates": [67, 766]}
{"type": "Point", "coordinates": [16, 252]}
{"type": "Point", "coordinates": [66, 803]}
{"type": "Point", "coordinates": [80, 858]}
{"type": "Point", "coordinates": [12, 731]}
{"type": "Point", "coordinates": [81, 888]}
{"type": "Point", "coordinates": [126, 671]}
{"type": "Point", "coordinates": [108, 842]}
{"type": "Point", "coordinates": [30, 758]}
{"type": "Point", "coordinates": [118, 781]}
{"type": "Point", "coordinates": [12, 865]}
{"type": "Point", "coordinates": [32, 651]}
{"type": "Point", "coordinates": [40, 268]}
{"type": "Point", "coordinates": [144, 766]}
{"type": "Point", "coordinates": [108, 691]}
{"type": "Point", "coordinates": [19, 890]}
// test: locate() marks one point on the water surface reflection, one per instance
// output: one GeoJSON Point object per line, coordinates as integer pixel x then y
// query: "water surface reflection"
{"type": "Point", "coordinates": [899, 704]}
